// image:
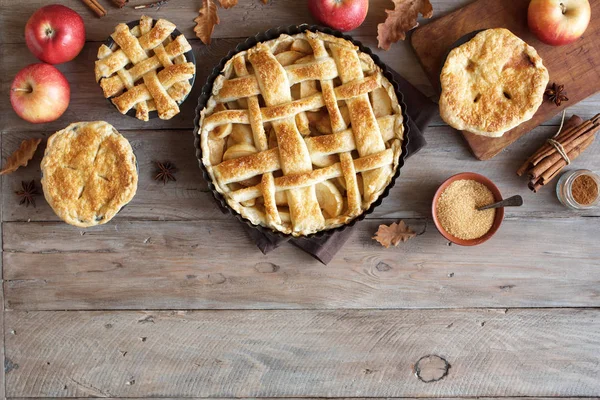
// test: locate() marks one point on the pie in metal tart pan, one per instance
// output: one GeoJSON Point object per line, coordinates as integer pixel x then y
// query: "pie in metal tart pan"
{"type": "Point", "coordinates": [492, 83]}
{"type": "Point", "coordinates": [146, 69]}
{"type": "Point", "coordinates": [89, 172]}
{"type": "Point", "coordinates": [300, 131]}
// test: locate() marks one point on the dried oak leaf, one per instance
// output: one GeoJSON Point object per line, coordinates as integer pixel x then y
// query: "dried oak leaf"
{"type": "Point", "coordinates": [228, 3]}
{"type": "Point", "coordinates": [206, 20]}
{"type": "Point", "coordinates": [21, 156]}
{"type": "Point", "coordinates": [400, 20]}
{"type": "Point", "coordinates": [393, 234]}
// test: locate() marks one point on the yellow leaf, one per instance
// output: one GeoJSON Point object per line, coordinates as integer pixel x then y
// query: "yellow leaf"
{"type": "Point", "coordinates": [393, 234]}
{"type": "Point", "coordinates": [228, 3]}
{"type": "Point", "coordinates": [21, 156]}
{"type": "Point", "coordinates": [400, 20]}
{"type": "Point", "coordinates": [206, 20]}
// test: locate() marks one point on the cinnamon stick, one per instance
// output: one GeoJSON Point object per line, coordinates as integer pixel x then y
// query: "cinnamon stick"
{"type": "Point", "coordinates": [564, 140]}
{"type": "Point", "coordinates": [553, 171]}
{"type": "Point", "coordinates": [95, 7]}
{"type": "Point", "coordinates": [571, 123]}
{"type": "Point", "coordinates": [547, 162]}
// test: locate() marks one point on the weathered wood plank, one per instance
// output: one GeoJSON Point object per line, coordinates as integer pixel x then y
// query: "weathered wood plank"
{"type": "Point", "coordinates": [547, 352]}
{"type": "Point", "coordinates": [88, 103]}
{"type": "Point", "coordinates": [245, 19]}
{"type": "Point", "coordinates": [214, 265]}
{"type": "Point", "coordinates": [187, 198]}
{"type": "Point", "coordinates": [306, 398]}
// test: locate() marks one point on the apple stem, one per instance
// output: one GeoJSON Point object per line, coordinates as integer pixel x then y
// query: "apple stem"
{"type": "Point", "coordinates": [563, 8]}
{"type": "Point", "coordinates": [21, 90]}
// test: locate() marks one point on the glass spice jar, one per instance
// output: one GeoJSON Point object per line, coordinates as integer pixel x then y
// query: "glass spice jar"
{"type": "Point", "coordinates": [579, 189]}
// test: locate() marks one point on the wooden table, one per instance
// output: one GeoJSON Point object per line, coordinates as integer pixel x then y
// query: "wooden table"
{"type": "Point", "coordinates": [172, 299]}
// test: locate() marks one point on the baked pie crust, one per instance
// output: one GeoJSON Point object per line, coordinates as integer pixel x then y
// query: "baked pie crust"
{"type": "Point", "coordinates": [146, 69]}
{"type": "Point", "coordinates": [492, 84]}
{"type": "Point", "coordinates": [89, 173]}
{"type": "Point", "coordinates": [302, 133]}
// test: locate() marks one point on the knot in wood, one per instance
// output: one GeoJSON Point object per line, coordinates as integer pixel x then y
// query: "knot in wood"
{"type": "Point", "coordinates": [266, 267]}
{"type": "Point", "coordinates": [431, 368]}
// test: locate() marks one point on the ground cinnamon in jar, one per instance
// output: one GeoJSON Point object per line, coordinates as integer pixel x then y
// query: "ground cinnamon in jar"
{"type": "Point", "coordinates": [457, 209]}
{"type": "Point", "coordinates": [584, 190]}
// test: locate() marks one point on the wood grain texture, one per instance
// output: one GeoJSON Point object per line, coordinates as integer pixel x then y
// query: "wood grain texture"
{"type": "Point", "coordinates": [541, 352]}
{"type": "Point", "coordinates": [249, 16]}
{"type": "Point", "coordinates": [213, 264]}
{"type": "Point", "coordinates": [88, 103]}
{"type": "Point", "coordinates": [574, 65]}
{"type": "Point", "coordinates": [189, 199]}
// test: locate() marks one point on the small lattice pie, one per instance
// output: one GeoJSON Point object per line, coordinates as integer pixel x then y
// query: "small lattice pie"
{"type": "Point", "coordinates": [89, 173]}
{"type": "Point", "coordinates": [146, 69]}
{"type": "Point", "coordinates": [492, 84]}
{"type": "Point", "coordinates": [302, 133]}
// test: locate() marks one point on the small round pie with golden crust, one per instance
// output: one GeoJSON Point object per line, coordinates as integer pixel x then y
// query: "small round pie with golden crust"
{"type": "Point", "coordinates": [492, 84]}
{"type": "Point", "coordinates": [89, 173]}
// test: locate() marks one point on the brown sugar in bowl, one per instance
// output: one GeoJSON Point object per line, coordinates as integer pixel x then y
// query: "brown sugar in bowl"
{"type": "Point", "coordinates": [497, 197]}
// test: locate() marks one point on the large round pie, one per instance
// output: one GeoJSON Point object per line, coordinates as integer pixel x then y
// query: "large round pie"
{"type": "Point", "coordinates": [492, 83]}
{"type": "Point", "coordinates": [302, 133]}
{"type": "Point", "coordinates": [89, 173]}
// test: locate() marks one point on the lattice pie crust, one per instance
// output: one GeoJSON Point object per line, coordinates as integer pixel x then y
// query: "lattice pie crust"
{"type": "Point", "coordinates": [302, 133]}
{"type": "Point", "coordinates": [146, 69]}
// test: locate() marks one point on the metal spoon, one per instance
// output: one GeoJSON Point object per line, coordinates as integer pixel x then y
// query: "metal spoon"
{"type": "Point", "coordinates": [515, 201]}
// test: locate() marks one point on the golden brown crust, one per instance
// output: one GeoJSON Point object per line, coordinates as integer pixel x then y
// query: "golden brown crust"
{"type": "Point", "coordinates": [89, 173]}
{"type": "Point", "coordinates": [492, 83]}
{"type": "Point", "coordinates": [159, 77]}
{"type": "Point", "coordinates": [302, 133]}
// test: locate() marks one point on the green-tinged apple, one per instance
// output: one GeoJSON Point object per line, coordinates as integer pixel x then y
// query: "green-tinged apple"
{"type": "Point", "coordinates": [40, 93]}
{"type": "Point", "coordinates": [343, 15]}
{"type": "Point", "coordinates": [558, 22]}
{"type": "Point", "coordinates": [55, 34]}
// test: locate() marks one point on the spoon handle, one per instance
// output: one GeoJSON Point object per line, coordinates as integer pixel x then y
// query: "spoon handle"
{"type": "Point", "coordinates": [514, 201]}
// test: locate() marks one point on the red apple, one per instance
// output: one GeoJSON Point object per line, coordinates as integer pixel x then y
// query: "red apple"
{"type": "Point", "coordinates": [558, 22]}
{"type": "Point", "coordinates": [55, 34]}
{"type": "Point", "coordinates": [40, 93]}
{"type": "Point", "coordinates": [343, 15]}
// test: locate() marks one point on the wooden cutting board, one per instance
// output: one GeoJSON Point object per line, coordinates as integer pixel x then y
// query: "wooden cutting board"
{"type": "Point", "coordinates": [577, 65]}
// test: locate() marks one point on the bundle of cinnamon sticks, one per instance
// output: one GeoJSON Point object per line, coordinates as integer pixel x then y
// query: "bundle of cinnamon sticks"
{"type": "Point", "coordinates": [546, 163]}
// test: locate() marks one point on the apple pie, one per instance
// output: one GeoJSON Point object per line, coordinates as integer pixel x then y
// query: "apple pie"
{"type": "Point", "coordinates": [146, 69]}
{"type": "Point", "coordinates": [492, 84]}
{"type": "Point", "coordinates": [302, 133]}
{"type": "Point", "coordinates": [89, 173]}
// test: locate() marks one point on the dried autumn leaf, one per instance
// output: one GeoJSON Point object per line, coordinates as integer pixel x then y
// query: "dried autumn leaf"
{"type": "Point", "coordinates": [228, 3]}
{"type": "Point", "coordinates": [21, 156]}
{"type": "Point", "coordinates": [401, 20]}
{"type": "Point", "coordinates": [206, 20]}
{"type": "Point", "coordinates": [393, 234]}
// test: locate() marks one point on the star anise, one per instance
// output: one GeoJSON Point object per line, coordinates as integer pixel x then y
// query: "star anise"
{"type": "Point", "coordinates": [166, 172]}
{"type": "Point", "coordinates": [556, 94]}
{"type": "Point", "coordinates": [27, 193]}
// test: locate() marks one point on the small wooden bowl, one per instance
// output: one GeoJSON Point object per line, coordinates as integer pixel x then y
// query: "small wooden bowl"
{"type": "Point", "coordinates": [497, 197]}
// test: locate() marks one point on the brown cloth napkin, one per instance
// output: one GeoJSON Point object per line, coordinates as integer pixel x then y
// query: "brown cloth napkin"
{"type": "Point", "coordinates": [421, 111]}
